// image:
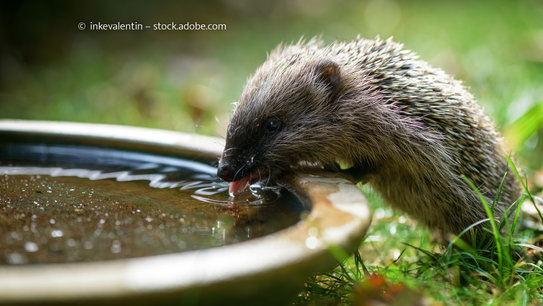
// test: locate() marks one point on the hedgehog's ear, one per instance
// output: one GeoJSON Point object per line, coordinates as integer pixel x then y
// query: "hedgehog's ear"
{"type": "Point", "coordinates": [328, 73]}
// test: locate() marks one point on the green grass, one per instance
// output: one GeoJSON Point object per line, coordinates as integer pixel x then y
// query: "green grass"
{"type": "Point", "coordinates": [503, 270]}
{"type": "Point", "coordinates": [187, 82]}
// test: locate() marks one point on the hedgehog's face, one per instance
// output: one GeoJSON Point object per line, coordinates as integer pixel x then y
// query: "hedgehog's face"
{"type": "Point", "coordinates": [248, 155]}
{"type": "Point", "coordinates": [281, 121]}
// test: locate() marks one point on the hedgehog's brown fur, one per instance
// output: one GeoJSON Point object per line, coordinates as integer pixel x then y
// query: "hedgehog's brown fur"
{"type": "Point", "coordinates": [409, 129]}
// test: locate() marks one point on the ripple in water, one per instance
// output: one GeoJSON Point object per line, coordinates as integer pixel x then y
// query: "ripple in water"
{"type": "Point", "coordinates": [71, 204]}
{"type": "Point", "coordinates": [203, 185]}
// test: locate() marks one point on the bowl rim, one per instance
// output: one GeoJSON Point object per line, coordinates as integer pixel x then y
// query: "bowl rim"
{"type": "Point", "coordinates": [339, 218]}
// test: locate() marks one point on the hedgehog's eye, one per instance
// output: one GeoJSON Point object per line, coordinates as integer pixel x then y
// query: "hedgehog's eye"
{"type": "Point", "coordinates": [273, 124]}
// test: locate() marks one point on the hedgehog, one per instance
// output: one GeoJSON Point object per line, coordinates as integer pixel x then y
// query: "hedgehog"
{"type": "Point", "coordinates": [374, 111]}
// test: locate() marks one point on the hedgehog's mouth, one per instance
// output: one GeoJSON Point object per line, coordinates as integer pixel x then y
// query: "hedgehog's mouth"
{"type": "Point", "coordinates": [236, 187]}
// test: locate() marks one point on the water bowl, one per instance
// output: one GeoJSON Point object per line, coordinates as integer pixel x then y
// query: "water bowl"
{"type": "Point", "coordinates": [105, 214]}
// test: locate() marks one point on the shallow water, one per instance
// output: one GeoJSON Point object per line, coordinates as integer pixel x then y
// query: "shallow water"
{"type": "Point", "coordinates": [72, 204]}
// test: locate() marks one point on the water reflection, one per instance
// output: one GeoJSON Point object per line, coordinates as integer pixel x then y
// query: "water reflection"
{"type": "Point", "coordinates": [203, 185]}
{"type": "Point", "coordinates": [75, 204]}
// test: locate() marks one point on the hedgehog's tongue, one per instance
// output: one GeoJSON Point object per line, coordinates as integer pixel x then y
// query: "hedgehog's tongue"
{"type": "Point", "coordinates": [238, 186]}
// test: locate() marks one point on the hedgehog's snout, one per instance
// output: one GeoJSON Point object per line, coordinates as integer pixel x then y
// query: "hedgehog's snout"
{"type": "Point", "coordinates": [225, 171]}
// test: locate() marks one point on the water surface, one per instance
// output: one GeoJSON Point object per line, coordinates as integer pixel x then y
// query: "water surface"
{"type": "Point", "coordinates": [71, 204]}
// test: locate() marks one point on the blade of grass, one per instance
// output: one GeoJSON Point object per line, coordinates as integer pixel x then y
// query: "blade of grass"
{"type": "Point", "coordinates": [525, 126]}
{"type": "Point", "coordinates": [533, 247]}
{"type": "Point", "coordinates": [519, 178]}
{"type": "Point", "coordinates": [499, 193]}
{"type": "Point", "coordinates": [492, 222]}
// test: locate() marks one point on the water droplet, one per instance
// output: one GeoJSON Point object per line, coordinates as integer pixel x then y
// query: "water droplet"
{"type": "Point", "coordinates": [115, 247]}
{"type": "Point", "coordinates": [87, 245]}
{"type": "Point", "coordinates": [16, 259]}
{"type": "Point", "coordinates": [71, 242]}
{"type": "Point", "coordinates": [57, 234]}
{"type": "Point", "coordinates": [31, 247]}
{"type": "Point", "coordinates": [182, 244]}
{"type": "Point", "coordinates": [15, 236]}
{"type": "Point", "coordinates": [393, 229]}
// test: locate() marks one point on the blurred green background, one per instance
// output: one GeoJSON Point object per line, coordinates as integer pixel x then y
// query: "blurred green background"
{"type": "Point", "coordinates": [187, 80]}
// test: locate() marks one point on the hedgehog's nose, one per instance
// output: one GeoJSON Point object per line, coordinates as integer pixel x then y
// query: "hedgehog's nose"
{"type": "Point", "coordinates": [225, 172]}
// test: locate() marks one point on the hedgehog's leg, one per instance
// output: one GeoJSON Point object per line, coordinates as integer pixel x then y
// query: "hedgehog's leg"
{"type": "Point", "coordinates": [356, 175]}
{"type": "Point", "coordinates": [353, 174]}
